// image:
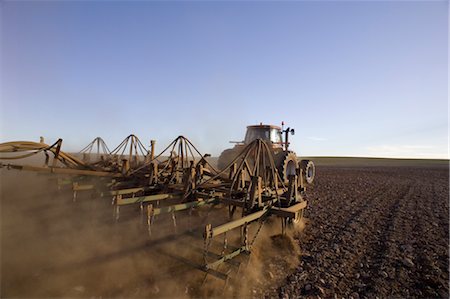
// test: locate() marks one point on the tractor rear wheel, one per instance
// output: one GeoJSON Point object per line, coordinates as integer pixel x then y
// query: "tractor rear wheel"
{"type": "Point", "coordinates": [225, 158]}
{"type": "Point", "coordinates": [288, 166]}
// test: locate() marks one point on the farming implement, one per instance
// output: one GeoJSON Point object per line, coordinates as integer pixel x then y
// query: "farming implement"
{"type": "Point", "coordinates": [260, 180]}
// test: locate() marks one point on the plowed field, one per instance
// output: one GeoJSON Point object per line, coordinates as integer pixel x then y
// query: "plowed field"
{"type": "Point", "coordinates": [375, 232]}
{"type": "Point", "coordinates": [369, 232]}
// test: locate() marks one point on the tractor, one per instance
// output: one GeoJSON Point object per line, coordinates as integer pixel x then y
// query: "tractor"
{"type": "Point", "coordinates": [285, 160]}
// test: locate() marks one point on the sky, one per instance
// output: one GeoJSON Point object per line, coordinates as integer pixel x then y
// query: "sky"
{"type": "Point", "coordinates": [354, 78]}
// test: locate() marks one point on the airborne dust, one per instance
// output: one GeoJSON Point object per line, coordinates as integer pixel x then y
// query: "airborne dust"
{"type": "Point", "coordinates": [53, 246]}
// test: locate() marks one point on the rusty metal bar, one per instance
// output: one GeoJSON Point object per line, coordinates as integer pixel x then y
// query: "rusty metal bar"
{"type": "Point", "coordinates": [138, 199]}
{"type": "Point", "coordinates": [129, 190]}
{"type": "Point", "coordinates": [184, 206]}
{"type": "Point", "coordinates": [236, 223]}
{"type": "Point", "coordinates": [78, 187]}
{"type": "Point", "coordinates": [290, 212]}
{"type": "Point", "coordinates": [62, 170]}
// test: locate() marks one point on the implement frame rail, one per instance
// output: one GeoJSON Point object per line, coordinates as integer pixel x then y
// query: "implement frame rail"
{"type": "Point", "coordinates": [151, 211]}
{"type": "Point", "coordinates": [214, 232]}
{"type": "Point", "coordinates": [60, 170]}
{"type": "Point", "coordinates": [120, 201]}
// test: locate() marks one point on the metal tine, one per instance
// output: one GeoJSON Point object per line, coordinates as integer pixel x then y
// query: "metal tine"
{"type": "Point", "coordinates": [225, 244]}
{"type": "Point", "coordinates": [141, 210]}
{"type": "Point", "coordinates": [149, 219]}
{"type": "Point", "coordinates": [174, 219]}
{"type": "Point", "coordinates": [117, 212]}
{"type": "Point", "coordinates": [190, 219]}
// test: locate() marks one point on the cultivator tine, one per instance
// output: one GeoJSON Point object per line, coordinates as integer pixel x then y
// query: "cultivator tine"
{"type": "Point", "coordinates": [150, 215]}
{"type": "Point", "coordinates": [225, 244]}
{"type": "Point", "coordinates": [245, 235]}
{"type": "Point", "coordinates": [174, 221]}
{"type": "Point", "coordinates": [116, 207]}
{"type": "Point", "coordinates": [141, 212]}
{"type": "Point", "coordinates": [283, 226]}
{"type": "Point", "coordinates": [231, 210]}
{"type": "Point", "coordinates": [117, 213]}
{"type": "Point", "coordinates": [190, 219]}
{"type": "Point", "coordinates": [207, 235]}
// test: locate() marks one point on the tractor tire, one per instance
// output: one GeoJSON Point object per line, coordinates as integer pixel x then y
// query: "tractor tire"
{"type": "Point", "coordinates": [225, 158]}
{"type": "Point", "coordinates": [288, 166]}
{"type": "Point", "coordinates": [309, 171]}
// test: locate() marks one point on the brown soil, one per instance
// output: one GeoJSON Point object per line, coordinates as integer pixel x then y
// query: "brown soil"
{"type": "Point", "coordinates": [374, 232]}
{"type": "Point", "coordinates": [370, 232]}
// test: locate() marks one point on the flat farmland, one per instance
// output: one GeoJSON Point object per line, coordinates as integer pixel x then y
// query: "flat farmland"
{"type": "Point", "coordinates": [374, 231]}
{"type": "Point", "coordinates": [373, 228]}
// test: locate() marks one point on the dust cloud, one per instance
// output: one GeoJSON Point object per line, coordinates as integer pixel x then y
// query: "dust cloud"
{"type": "Point", "coordinates": [53, 246]}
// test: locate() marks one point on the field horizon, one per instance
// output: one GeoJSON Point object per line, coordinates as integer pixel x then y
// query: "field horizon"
{"type": "Point", "coordinates": [376, 161]}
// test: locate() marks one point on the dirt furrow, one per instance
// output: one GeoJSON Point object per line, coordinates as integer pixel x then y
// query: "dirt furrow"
{"type": "Point", "coordinates": [326, 274]}
{"type": "Point", "coordinates": [384, 254]}
{"type": "Point", "coordinates": [430, 276]}
{"type": "Point", "coordinates": [376, 233]}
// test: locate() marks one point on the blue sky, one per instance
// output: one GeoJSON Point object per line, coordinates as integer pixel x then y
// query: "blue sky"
{"type": "Point", "coordinates": [353, 78]}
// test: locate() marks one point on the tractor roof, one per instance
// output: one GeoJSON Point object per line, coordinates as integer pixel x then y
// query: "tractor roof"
{"type": "Point", "coordinates": [261, 126]}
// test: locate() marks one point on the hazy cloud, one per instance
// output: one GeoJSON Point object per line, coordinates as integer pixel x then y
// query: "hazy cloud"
{"type": "Point", "coordinates": [316, 138]}
{"type": "Point", "coordinates": [406, 151]}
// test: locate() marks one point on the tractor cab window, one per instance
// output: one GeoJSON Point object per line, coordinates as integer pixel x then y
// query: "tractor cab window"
{"type": "Point", "coordinates": [253, 134]}
{"type": "Point", "coordinates": [275, 135]}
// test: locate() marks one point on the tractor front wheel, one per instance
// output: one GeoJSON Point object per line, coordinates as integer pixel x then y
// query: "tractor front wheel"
{"type": "Point", "coordinates": [309, 170]}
